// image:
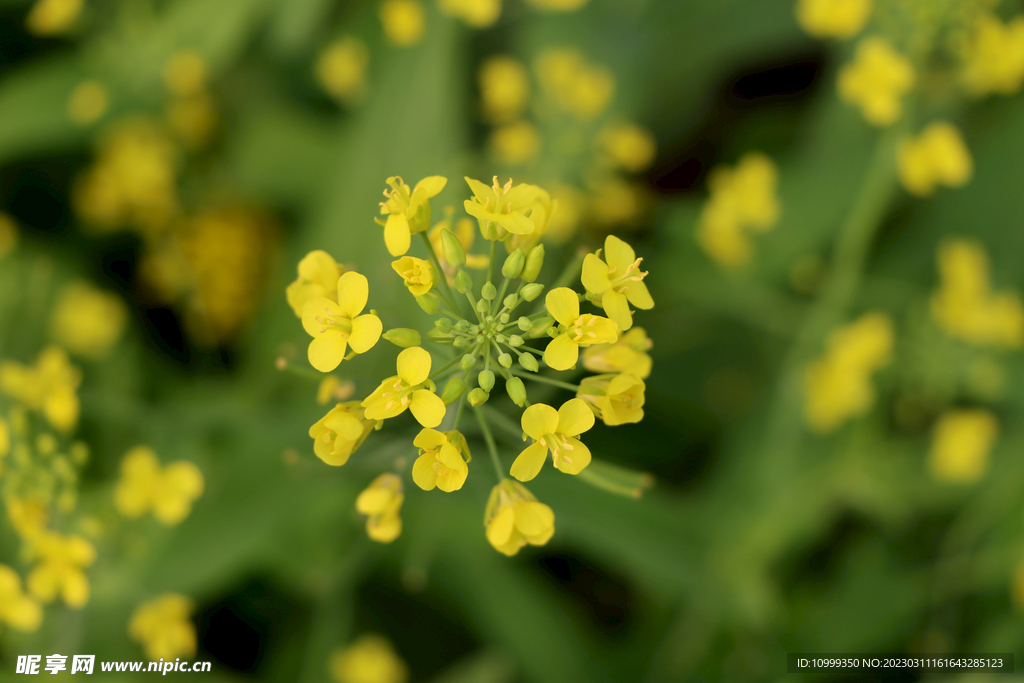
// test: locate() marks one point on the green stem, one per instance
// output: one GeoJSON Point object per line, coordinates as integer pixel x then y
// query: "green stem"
{"type": "Point", "coordinates": [440, 272]}
{"type": "Point", "coordinates": [546, 380]}
{"type": "Point", "coordinates": [489, 438]}
{"type": "Point", "coordinates": [490, 262]}
{"type": "Point", "coordinates": [458, 413]}
{"type": "Point", "coordinates": [447, 365]}
{"type": "Point", "coordinates": [510, 427]}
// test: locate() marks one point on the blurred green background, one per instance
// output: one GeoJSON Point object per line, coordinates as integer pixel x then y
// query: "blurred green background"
{"type": "Point", "coordinates": [760, 537]}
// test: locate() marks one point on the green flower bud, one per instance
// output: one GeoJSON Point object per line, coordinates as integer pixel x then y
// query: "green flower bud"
{"type": "Point", "coordinates": [514, 264]}
{"type": "Point", "coordinates": [460, 342]}
{"type": "Point", "coordinates": [524, 323]}
{"type": "Point", "coordinates": [531, 271]}
{"type": "Point", "coordinates": [482, 305]}
{"type": "Point", "coordinates": [511, 301]}
{"type": "Point", "coordinates": [403, 336]}
{"type": "Point", "coordinates": [452, 249]}
{"type": "Point", "coordinates": [486, 380]}
{"type": "Point", "coordinates": [503, 318]}
{"type": "Point", "coordinates": [453, 390]}
{"type": "Point", "coordinates": [531, 291]}
{"type": "Point", "coordinates": [463, 282]}
{"type": "Point", "coordinates": [443, 324]}
{"type": "Point", "coordinates": [516, 391]}
{"type": "Point", "coordinates": [500, 338]}
{"type": "Point", "coordinates": [488, 291]}
{"type": "Point", "coordinates": [529, 361]}
{"type": "Point", "coordinates": [515, 340]}
{"type": "Point", "coordinates": [462, 325]}
{"type": "Point", "coordinates": [429, 302]}
{"type": "Point", "coordinates": [473, 329]}
{"type": "Point", "coordinates": [505, 360]}
{"type": "Point", "coordinates": [478, 397]}
{"type": "Point", "coordinates": [467, 361]}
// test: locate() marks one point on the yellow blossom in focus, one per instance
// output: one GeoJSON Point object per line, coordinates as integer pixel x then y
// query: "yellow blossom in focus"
{"type": "Point", "coordinates": [838, 385]}
{"type": "Point", "coordinates": [8, 234]}
{"type": "Point", "coordinates": [333, 389]}
{"type": "Point", "coordinates": [193, 119]}
{"type": "Point", "coordinates": [833, 18]}
{"type": "Point", "coordinates": [515, 144]}
{"type": "Point", "coordinates": [403, 21]}
{"type": "Point", "coordinates": [618, 283]}
{"type": "Point", "coordinates": [17, 609]}
{"type": "Point", "coordinates": [504, 88]}
{"type": "Point", "coordinates": [48, 386]}
{"type": "Point", "coordinates": [742, 199]}
{"type": "Point", "coordinates": [556, 431]}
{"type": "Point", "coordinates": [341, 69]}
{"type": "Point", "coordinates": [961, 444]}
{"type": "Point", "coordinates": [50, 17]}
{"type": "Point", "coordinates": [417, 274]}
{"type": "Point", "coordinates": [87, 321]}
{"type": "Point", "coordinates": [60, 561]}
{"type": "Point", "coordinates": [501, 209]}
{"type": "Point", "coordinates": [558, 5]}
{"type": "Point", "coordinates": [965, 305]}
{"type": "Point", "coordinates": [146, 486]}
{"type": "Point", "coordinates": [994, 57]}
{"type": "Point", "coordinates": [337, 327]}
{"type": "Point", "coordinates": [513, 518]}
{"type": "Point", "coordinates": [627, 146]}
{"type": "Point", "coordinates": [164, 628]}
{"type": "Point", "coordinates": [574, 330]}
{"type": "Point", "coordinates": [627, 355]}
{"type": "Point", "coordinates": [87, 103]}
{"type": "Point", "coordinates": [578, 87]}
{"type": "Point", "coordinates": [340, 432]}
{"type": "Point", "coordinates": [466, 234]}
{"type": "Point", "coordinates": [318, 277]}
{"type": "Point", "coordinates": [615, 399]}
{"type": "Point", "coordinates": [876, 81]}
{"type": "Point", "coordinates": [410, 388]}
{"type": "Point", "coordinates": [369, 659]}
{"type": "Point", "coordinates": [441, 462]}
{"type": "Point", "coordinates": [381, 502]}
{"type": "Point", "coordinates": [185, 73]}
{"type": "Point", "coordinates": [541, 212]}
{"type": "Point", "coordinates": [937, 157]}
{"type": "Point", "coordinates": [408, 211]}
{"type": "Point", "coordinates": [475, 13]}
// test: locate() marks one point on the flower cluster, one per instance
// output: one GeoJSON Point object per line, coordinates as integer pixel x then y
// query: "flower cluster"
{"type": "Point", "coordinates": [164, 628]}
{"type": "Point", "coordinates": [937, 157]}
{"type": "Point", "coordinates": [743, 200]}
{"type": "Point", "coordinates": [961, 445]}
{"type": "Point", "coordinates": [480, 334]}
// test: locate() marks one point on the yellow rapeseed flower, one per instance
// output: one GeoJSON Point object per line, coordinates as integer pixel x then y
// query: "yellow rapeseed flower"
{"type": "Point", "coordinates": [87, 321]}
{"type": "Point", "coordinates": [833, 18]}
{"type": "Point", "coordinates": [368, 659]}
{"type": "Point", "coordinates": [145, 486]}
{"type": "Point", "coordinates": [340, 432]}
{"type": "Point", "coordinates": [48, 386]}
{"type": "Point", "coordinates": [403, 20]}
{"type": "Point", "coordinates": [513, 518]}
{"type": "Point", "coordinates": [60, 561]}
{"type": "Point", "coordinates": [617, 282]}
{"type": "Point", "coordinates": [50, 17]}
{"type": "Point", "coordinates": [337, 327]}
{"type": "Point", "coordinates": [341, 69]}
{"type": "Point", "coordinates": [8, 234]}
{"type": "Point", "coordinates": [627, 355]}
{"type": "Point", "coordinates": [541, 211]}
{"type": "Point", "coordinates": [961, 444]}
{"type": "Point", "coordinates": [501, 209]}
{"type": "Point", "coordinates": [628, 146]}
{"type": "Point", "coordinates": [28, 517]}
{"type": "Point", "coordinates": [410, 388]}
{"type": "Point", "coordinates": [417, 274]}
{"type": "Point", "coordinates": [185, 73]}
{"type": "Point", "coordinates": [441, 463]}
{"type": "Point", "coordinates": [555, 431]}
{"type": "Point", "coordinates": [994, 56]}
{"type": "Point", "coordinates": [876, 81]}
{"type": "Point", "coordinates": [558, 5]}
{"type": "Point", "coordinates": [5, 438]}
{"type": "Point", "coordinates": [937, 157]}
{"type": "Point", "coordinates": [504, 88]}
{"type": "Point", "coordinates": [381, 502]}
{"type": "Point", "coordinates": [17, 609]}
{"type": "Point", "coordinates": [318, 277]}
{"type": "Point", "coordinates": [408, 211]}
{"type": "Point", "coordinates": [475, 13]}
{"type": "Point", "coordinates": [87, 103]}
{"type": "Point", "coordinates": [515, 144]}
{"type": "Point", "coordinates": [616, 399]}
{"type": "Point", "coordinates": [164, 628]}
{"type": "Point", "coordinates": [574, 330]}
{"type": "Point", "coordinates": [578, 87]}
{"type": "Point", "coordinates": [742, 199]}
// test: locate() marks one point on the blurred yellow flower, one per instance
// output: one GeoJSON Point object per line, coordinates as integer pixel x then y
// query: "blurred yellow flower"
{"type": "Point", "coordinates": [48, 386]}
{"type": "Point", "coordinates": [164, 628]}
{"type": "Point", "coordinates": [318, 277]}
{"type": "Point", "coordinates": [408, 212]}
{"type": "Point", "coordinates": [87, 321]}
{"type": "Point", "coordinates": [627, 355]}
{"type": "Point", "coordinates": [5, 438]}
{"type": "Point", "coordinates": [574, 330]}
{"type": "Point", "coordinates": [475, 13]}
{"type": "Point", "coordinates": [628, 146]}
{"type": "Point", "coordinates": [558, 5]}
{"type": "Point", "coordinates": [337, 327]}
{"type": "Point", "coordinates": [49, 17]}
{"type": "Point", "coordinates": [410, 388]}
{"type": "Point", "coordinates": [341, 69]}
{"type": "Point", "coordinates": [193, 119]}
{"type": "Point", "coordinates": [381, 502]}
{"type": "Point", "coordinates": [578, 87]}
{"type": "Point", "coordinates": [60, 561]}
{"type": "Point", "coordinates": [515, 144]}
{"type": "Point", "coordinates": [145, 486]}
{"type": "Point", "coordinates": [876, 81]}
{"type": "Point", "coordinates": [833, 18]}
{"type": "Point", "coordinates": [466, 234]}
{"type": "Point", "coordinates": [617, 281]}
{"type": "Point", "coordinates": [936, 157]}
{"type": "Point", "coordinates": [340, 432]}
{"type": "Point", "coordinates": [185, 73]}
{"type": "Point", "coordinates": [994, 56]}
{"type": "Point", "coordinates": [87, 103]}
{"type": "Point", "coordinates": [504, 88]}
{"type": "Point", "coordinates": [368, 659]}
{"type": "Point", "coordinates": [27, 517]}
{"type": "Point", "coordinates": [513, 518]}
{"type": "Point", "coordinates": [555, 431]}
{"type": "Point", "coordinates": [742, 199]}
{"type": "Point", "coordinates": [17, 609]}
{"type": "Point", "coordinates": [615, 399]}
{"type": "Point", "coordinates": [417, 274]}
{"type": "Point", "coordinates": [961, 444]}
{"type": "Point", "coordinates": [441, 463]}
{"type": "Point", "coordinates": [403, 20]}
{"type": "Point", "coordinates": [571, 205]}
{"type": "Point", "coordinates": [8, 234]}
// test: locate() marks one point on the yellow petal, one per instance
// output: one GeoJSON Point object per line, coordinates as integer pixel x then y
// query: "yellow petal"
{"type": "Point", "coordinates": [23, 613]}
{"type": "Point", "coordinates": [574, 417]}
{"type": "Point", "coordinates": [500, 528]}
{"type": "Point", "coordinates": [617, 308]}
{"type": "Point", "coordinates": [431, 185]}
{"type": "Point", "coordinates": [618, 254]}
{"type": "Point", "coordinates": [561, 353]}
{"type": "Point", "coordinates": [319, 267]}
{"type": "Point", "coordinates": [563, 304]}
{"type": "Point", "coordinates": [533, 518]}
{"type": "Point", "coordinates": [595, 274]}
{"type": "Point", "coordinates": [638, 295]}
{"type": "Point", "coordinates": [353, 290]}
{"type": "Point", "coordinates": [516, 223]}
{"type": "Point", "coordinates": [75, 590]}
{"type": "Point", "coordinates": [429, 439]}
{"type": "Point", "coordinates": [327, 351]}
{"type": "Point", "coordinates": [480, 191]}
{"type": "Point", "coordinates": [538, 420]}
{"type": "Point", "coordinates": [366, 331]}
{"type": "Point", "coordinates": [345, 424]}
{"type": "Point", "coordinates": [520, 196]}
{"type": "Point", "coordinates": [580, 456]}
{"type": "Point", "coordinates": [396, 234]}
{"type": "Point", "coordinates": [373, 500]}
{"type": "Point", "coordinates": [317, 308]}
{"type": "Point", "coordinates": [385, 529]}
{"type": "Point", "coordinates": [423, 473]}
{"type": "Point", "coordinates": [414, 366]}
{"type": "Point", "coordinates": [427, 407]}
{"type": "Point", "coordinates": [527, 465]}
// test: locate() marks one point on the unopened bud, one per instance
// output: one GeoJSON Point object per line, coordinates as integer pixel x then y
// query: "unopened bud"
{"type": "Point", "coordinates": [478, 397]}
{"type": "Point", "coordinates": [452, 249]}
{"type": "Point", "coordinates": [503, 318]}
{"type": "Point", "coordinates": [460, 342]}
{"type": "Point", "coordinates": [511, 301]}
{"type": "Point", "coordinates": [534, 262]}
{"type": "Point", "coordinates": [514, 264]}
{"type": "Point", "coordinates": [488, 291]}
{"type": "Point", "coordinates": [453, 390]}
{"type": "Point", "coordinates": [516, 391]}
{"type": "Point", "coordinates": [429, 302]}
{"type": "Point", "coordinates": [403, 336]}
{"type": "Point", "coordinates": [443, 324]}
{"type": "Point", "coordinates": [529, 361]}
{"type": "Point", "coordinates": [486, 380]}
{"type": "Point", "coordinates": [524, 323]}
{"type": "Point", "coordinates": [462, 325]}
{"type": "Point", "coordinates": [482, 305]}
{"type": "Point", "coordinates": [463, 282]}
{"type": "Point", "coordinates": [467, 361]}
{"type": "Point", "coordinates": [532, 291]}
{"type": "Point", "coordinates": [505, 360]}
{"type": "Point", "coordinates": [515, 340]}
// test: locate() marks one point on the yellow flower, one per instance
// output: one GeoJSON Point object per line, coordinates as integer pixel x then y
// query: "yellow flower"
{"type": "Point", "coordinates": [833, 18]}
{"type": "Point", "coordinates": [466, 234]}
{"type": "Point", "coordinates": [627, 355]}
{"type": "Point", "coordinates": [5, 438]}
{"type": "Point", "coordinates": [627, 146]}
{"type": "Point", "coordinates": [555, 431]}
{"type": "Point", "coordinates": [501, 209]}
{"type": "Point", "coordinates": [87, 103]}
{"type": "Point", "coordinates": [558, 5]}
{"type": "Point", "coordinates": [410, 389]}
{"type": "Point", "coordinates": [417, 274]}
{"type": "Point", "coordinates": [164, 628]}
{"type": "Point", "coordinates": [27, 517]}
{"type": "Point", "coordinates": [341, 69]}
{"type": "Point", "coordinates": [876, 81]}
{"type": "Point", "coordinates": [616, 399]}
{"type": "Point", "coordinates": [17, 610]}
{"type": "Point", "coordinates": [340, 432]}
{"type": "Point", "coordinates": [513, 518]}
{"type": "Point", "coordinates": [937, 157]}
{"type": "Point", "coordinates": [541, 212]}
{"type": "Point", "coordinates": [838, 385]}
{"type": "Point", "coordinates": [476, 13]}
{"type": "Point", "coordinates": [49, 17]}
{"type": "Point", "coordinates": [961, 445]}
{"type": "Point", "coordinates": [441, 462]}
{"type": "Point", "coordinates": [61, 560]}
{"type": "Point", "coordinates": [994, 57]}
{"type": "Point", "coordinates": [185, 73]}
{"type": "Point", "coordinates": [144, 486]}
{"type": "Point", "coordinates": [966, 307]}
{"type": "Point", "coordinates": [318, 277]}
{"type": "Point", "coordinates": [408, 212]}
{"type": "Point", "coordinates": [515, 144]}
{"type": "Point", "coordinates": [504, 88]}
{"type": "Point", "coordinates": [741, 199]}
{"type": "Point", "coordinates": [336, 327]}
{"type": "Point", "coordinates": [579, 88]}
{"type": "Point", "coordinates": [8, 234]}
{"type": "Point", "coordinates": [380, 502]}
{"type": "Point", "coordinates": [574, 330]}
{"type": "Point", "coordinates": [403, 21]}
{"type": "Point", "coordinates": [618, 283]}
{"type": "Point", "coordinates": [48, 386]}
{"type": "Point", "coordinates": [87, 321]}
{"type": "Point", "coordinates": [369, 659]}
